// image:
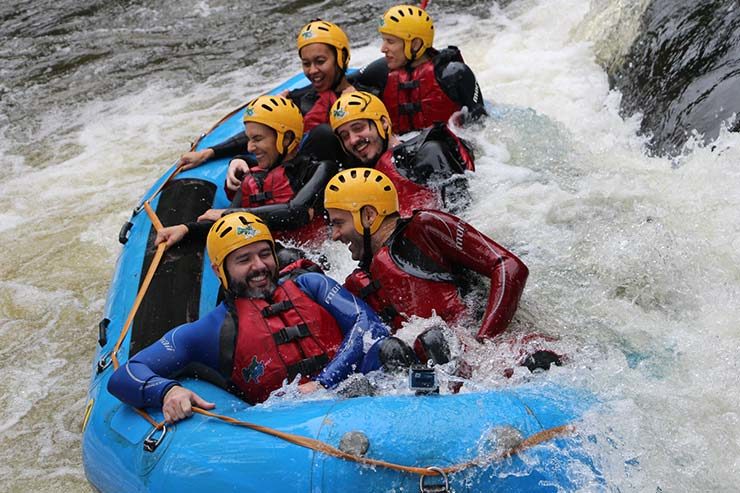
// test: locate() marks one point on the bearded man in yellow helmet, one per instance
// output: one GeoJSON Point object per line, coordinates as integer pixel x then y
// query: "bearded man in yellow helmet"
{"type": "Point", "coordinates": [428, 170]}
{"type": "Point", "coordinates": [419, 85]}
{"type": "Point", "coordinates": [267, 330]}
{"type": "Point", "coordinates": [275, 182]}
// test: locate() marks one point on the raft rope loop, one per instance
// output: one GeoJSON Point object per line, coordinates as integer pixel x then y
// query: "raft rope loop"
{"type": "Point", "coordinates": [310, 443]}
{"type": "Point", "coordinates": [325, 448]}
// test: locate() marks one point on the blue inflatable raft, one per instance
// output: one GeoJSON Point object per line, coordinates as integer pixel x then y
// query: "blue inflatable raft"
{"type": "Point", "coordinates": [512, 440]}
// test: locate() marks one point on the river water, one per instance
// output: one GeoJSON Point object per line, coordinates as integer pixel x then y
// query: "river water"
{"type": "Point", "coordinates": [634, 259]}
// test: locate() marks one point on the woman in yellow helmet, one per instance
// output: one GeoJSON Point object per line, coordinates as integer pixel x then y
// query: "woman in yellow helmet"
{"type": "Point", "coordinates": [324, 52]}
{"type": "Point", "coordinates": [275, 182]}
{"type": "Point", "coordinates": [419, 85]}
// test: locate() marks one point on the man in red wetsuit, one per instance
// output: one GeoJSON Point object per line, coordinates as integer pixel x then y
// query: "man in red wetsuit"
{"type": "Point", "coordinates": [419, 264]}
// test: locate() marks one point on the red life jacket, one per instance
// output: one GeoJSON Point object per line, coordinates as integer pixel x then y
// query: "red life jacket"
{"type": "Point", "coordinates": [411, 195]}
{"type": "Point", "coordinates": [415, 100]}
{"type": "Point", "coordinates": [273, 187]}
{"type": "Point", "coordinates": [276, 341]}
{"type": "Point", "coordinates": [395, 294]}
{"type": "Point", "coordinates": [262, 187]}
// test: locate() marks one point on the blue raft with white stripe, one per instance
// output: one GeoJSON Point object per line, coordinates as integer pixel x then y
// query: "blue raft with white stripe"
{"type": "Point", "coordinates": [122, 451]}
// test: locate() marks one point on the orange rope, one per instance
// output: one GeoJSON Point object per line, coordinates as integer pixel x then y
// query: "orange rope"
{"type": "Point", "coordinates": [327, 449]}
{"type": "Point", "coordinates": [144, 285]}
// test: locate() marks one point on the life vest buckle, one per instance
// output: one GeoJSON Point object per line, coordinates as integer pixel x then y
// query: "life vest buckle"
{"type": "Point", "coordinates": [308, 366]}
{"type": "Point", "coordinates": [409, 108]}
{"type": "Point", "coordinates": [260, 197]}
{"type": "Point", "coordinates": [276, 308]}
{"type": "Point", "coordinates": [288, 334]}
{"type": "Point", "coordinates": [371, 288]}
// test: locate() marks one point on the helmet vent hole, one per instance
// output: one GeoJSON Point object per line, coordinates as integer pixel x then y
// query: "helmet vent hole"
{"type": "Point", "coordinates": [387, 188]}
{"type": "Point", "coordinates": [335, 188]}
{"type": "Point", "coordinates": [225, 232]}
{"type": "Point", "coordinates": [378, 178]}
{"type": "Point", "coordinates": [342, 178]}
{"type": "Point", "coordinates": [366, 174]}
{"type": "Point", "coordinates": [243, 220]}
{"type": "Point", "coordinates": [396, 19]}
{"type": "Point", "coordinates": [353, 173]}
{"type": "Point", "coordinates": [266, 107]}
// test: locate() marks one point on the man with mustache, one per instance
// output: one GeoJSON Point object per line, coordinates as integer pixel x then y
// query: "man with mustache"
{"type": "Point", "coordinates": [268, 329]}
{"type": "Point", "coordinates": [427, 170]}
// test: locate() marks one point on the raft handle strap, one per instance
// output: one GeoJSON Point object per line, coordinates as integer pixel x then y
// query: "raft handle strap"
{"type": "Point", "coordinates": [151, 442]}
{"type": "Point", "coordinates": [443, 487]}
{"type": "Point", "coordinates": [123, 233]}
{"type": "Point", "coordinates": [103, 331]}
{"type": "Point", "coordinates": [105, 361]}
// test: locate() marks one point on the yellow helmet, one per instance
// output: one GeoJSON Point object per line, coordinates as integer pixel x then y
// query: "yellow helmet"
{"type": "Point", "coordinates": [281, 115]}
{"type": "Point", "coordinates": [408, 22]}
{"type": "Point", "coordinates": [232, 232]}
{"type": "Point", "coordinates": [318, 31]}
{"type": "Point", "coordinates": [354, 188]}
{"type": "Point", "coordinates": [359, 105]}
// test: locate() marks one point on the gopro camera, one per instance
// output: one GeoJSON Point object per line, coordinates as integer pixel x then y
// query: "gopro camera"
{"type": "Point", "coordinates": [423, 379]}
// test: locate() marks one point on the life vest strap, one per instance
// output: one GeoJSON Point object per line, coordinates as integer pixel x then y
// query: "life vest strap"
{"type": "Point", "coordinates": [409, 84]}
{"type": "Point", "coordinates": [288, 334]}
{"type": "Point", "coordinates": [276, 308]}
{"type": "Point", "coordinates": [308, 366]}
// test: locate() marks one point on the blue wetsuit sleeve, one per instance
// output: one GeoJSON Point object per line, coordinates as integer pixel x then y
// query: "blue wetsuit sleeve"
{"type": "Point", "coordinates": [360, 325]}
{"type": "Point", "coordinates": [145, 378]}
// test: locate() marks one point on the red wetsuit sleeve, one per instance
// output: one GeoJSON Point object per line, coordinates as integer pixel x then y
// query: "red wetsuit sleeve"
{"type": "Point", "coordinates": [451, 242]}
{"type": "Point", "coordinates": [319, 112]}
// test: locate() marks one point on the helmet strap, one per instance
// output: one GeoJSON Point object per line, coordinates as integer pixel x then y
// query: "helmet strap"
{"type": "Point", "coordinates": [340, 71]}
{"type": "Point", "coordinates": [367, 251]}
{"type": "Point", "coordinates": [337, 78]}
